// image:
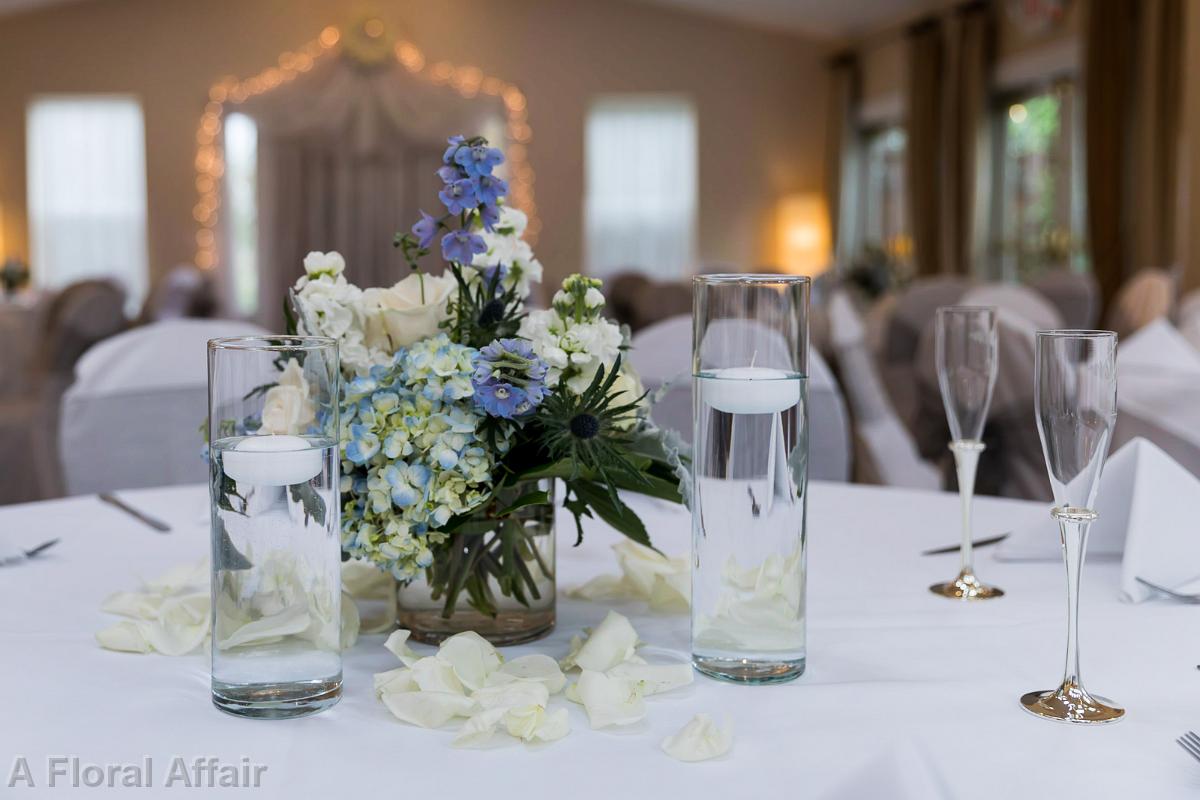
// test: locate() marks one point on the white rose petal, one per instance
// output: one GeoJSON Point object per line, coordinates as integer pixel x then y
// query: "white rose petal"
{"type": "Point", "coordinates": [124, 636]}
{"type": "Point", "coordinates": [428, 709]}
{"type": "Point", "coordinates": [553, 725]}
{"type": "Point", "coordinates": [512, 695]}
{"type": "Point", "coordinates": [471, 656]}
{"type": "Point", "coordinates": [434, 675]}
{"type": "Point", "coordinates": [654, 678]}
{"type": "Point", "coordinates": [610, 701]}
{"type": "Point", "coordinates": [397, 644]}
{"type": "Point", "coordinates": [394, 681]}
{"type": "Point", "coordinates": [535, 668]}
{"type": "Point", "coordinates": [700, 739]}
{"type": "Point", "coordinates": [290, 620]}
{"type": "Point", "coordinates": [613, 641]}
{"type": "Point", "coordinates": [568, 661]}
{"type": "Point", "coordinates": [139, 605]}
{"type": "Point", "coordinates": [478, 730]}
{"type": "Point", "coordinates": [351, 622]}
{"type": "Point", "coordinates": [410, 310]}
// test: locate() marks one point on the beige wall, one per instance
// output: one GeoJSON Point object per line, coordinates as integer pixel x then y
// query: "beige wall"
{"type": "Point", "coordinates": [760, 96]}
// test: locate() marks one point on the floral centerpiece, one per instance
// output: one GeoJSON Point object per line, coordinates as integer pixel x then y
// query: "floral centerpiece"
{"type": "Point", "coordinates": [462, 408]}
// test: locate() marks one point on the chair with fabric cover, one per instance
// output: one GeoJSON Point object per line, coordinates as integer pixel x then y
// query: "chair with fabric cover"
{"type": "Point", "coordinates": [185, 291]}
{"type": "Point", "coordinates": [620, 294]}
{"type": "Point", "coordinates": [1013, 465]}
{"type": "Point", "coordinates": [77, 317]}
{"type": "Point", "coordinates": [1016, 300]}
{"type": "Point", "coordinates": [884, 449]}
{"type": "Point", "coordinates": [1076, 295]}
{"type": "Point", "coordinates": [131, 418]}
{"type": "Point", "coordinates": [913, 309]}
{"type": "Point", "coordinates": [662, 356]}
{"type": "Point", "coordinates": [1188, 316]}
{"type": "Point", "coordinates": [1147, 296]}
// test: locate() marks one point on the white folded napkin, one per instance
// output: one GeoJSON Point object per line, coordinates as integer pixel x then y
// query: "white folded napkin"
{"type": "Point", "coordinates": [1145, 518]}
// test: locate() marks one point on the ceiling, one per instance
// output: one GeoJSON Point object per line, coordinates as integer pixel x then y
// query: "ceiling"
{"type": "Point", "coordinates": [824, 19]}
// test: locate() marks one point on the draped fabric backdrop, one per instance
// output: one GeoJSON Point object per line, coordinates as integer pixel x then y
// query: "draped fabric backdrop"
{"type": "Point", "coordinates": [925, 76]}
{"type": "Point", "coordinates": [841, 156]}
{"type": "Point", "coordinates": [1157, 132]}
{"type": "Point", "coordinates": [346, 157]}
{"type": "Point", "coordinates": [1109, 40]}
{"type": "Point", "coordinates": [966, 177]}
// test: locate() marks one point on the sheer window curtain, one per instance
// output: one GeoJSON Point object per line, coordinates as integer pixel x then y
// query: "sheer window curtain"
{"type": "Point", "coordinates": [87, 191]}
{"type": "Point", "coordinates": [640, 201]}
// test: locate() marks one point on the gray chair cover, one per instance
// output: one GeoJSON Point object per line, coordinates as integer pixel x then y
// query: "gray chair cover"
{"type": "Point", "coordinates": [1076, 295]}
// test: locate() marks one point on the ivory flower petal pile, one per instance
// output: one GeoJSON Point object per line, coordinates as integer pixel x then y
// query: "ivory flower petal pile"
{"type": "Point", "coordinates": [663, 583]}
{"type": "Point", "coordinates": [468, 678]}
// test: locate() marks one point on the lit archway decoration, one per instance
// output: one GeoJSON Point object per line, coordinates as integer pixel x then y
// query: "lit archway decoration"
{"type": "Point", "coordinates": [468, 81]}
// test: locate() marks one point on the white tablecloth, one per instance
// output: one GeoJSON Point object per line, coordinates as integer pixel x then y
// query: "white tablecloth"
{"type": "Point", "coordinates": [907, 695]}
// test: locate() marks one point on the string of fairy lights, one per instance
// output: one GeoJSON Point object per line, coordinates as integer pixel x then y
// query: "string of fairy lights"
{"type": "Point", "coordinates": [468, 81]}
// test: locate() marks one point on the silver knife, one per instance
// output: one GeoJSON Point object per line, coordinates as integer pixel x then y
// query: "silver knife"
{"type": "Point", "coordinates": [145, 519]}
{"type": "Point", "coordinates": [954, 548]}
{"type": "Point", "coordinates": [26, 554]}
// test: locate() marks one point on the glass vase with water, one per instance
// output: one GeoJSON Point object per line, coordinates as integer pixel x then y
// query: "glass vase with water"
{"type": "Point", "coordinates": [276, 552]}
{"type": "Point", "coordinates": [750, 367]}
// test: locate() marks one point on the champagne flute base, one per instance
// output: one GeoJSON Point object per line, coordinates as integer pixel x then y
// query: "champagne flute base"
{"type": "Point", "coordinates": [1071, 703]}
{"type": "Point", "coordinates": [966, 587]}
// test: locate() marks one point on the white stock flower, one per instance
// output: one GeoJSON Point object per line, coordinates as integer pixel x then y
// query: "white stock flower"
{"type": "Point", "coordinates": [506, 248]}
{"type": "Point", "coordinates": [409, 310]}
{"type": "Point", "coordinates": [699, 740]}
{"type": "Point", "coordinates": [574, 349]}
{"type": "Point", "coordinates": [317, 263]}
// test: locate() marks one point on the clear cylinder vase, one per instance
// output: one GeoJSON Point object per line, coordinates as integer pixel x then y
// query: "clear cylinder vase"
{"type": "Point", "coordinates": [750, 467]}
{"type": "Point", "coordinates": [494, 575]}
{"type": "Point", "coordinates": [276, 549]}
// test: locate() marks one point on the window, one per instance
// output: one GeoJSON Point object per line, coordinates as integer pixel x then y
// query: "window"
{"type": "Point", "coordinates": [640, 198]}
{"type": "Point", "coordinates": [884, 196]}
{"type": "Point", "coordinates": [87, 191]}
{"type": "Point", "coordinates": [1038, 218]}
{"type": "Point", "coordinates": [241, 182]}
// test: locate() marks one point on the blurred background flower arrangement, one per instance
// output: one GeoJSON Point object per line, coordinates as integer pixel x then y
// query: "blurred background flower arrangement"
{"type": "Point", "coordinates": [461, 407]}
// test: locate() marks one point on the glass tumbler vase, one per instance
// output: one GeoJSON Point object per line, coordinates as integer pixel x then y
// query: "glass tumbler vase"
{"type": "Point", "coordinates": [750, 465]}
{"type": "Point", "coordinates": [276, 551]}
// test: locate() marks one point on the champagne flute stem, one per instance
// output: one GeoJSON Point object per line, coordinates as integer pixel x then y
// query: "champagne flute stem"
{"type": "Point", "coordinates": [1074, 541]}
{"type": "Point", "coordinates": [966, 461]}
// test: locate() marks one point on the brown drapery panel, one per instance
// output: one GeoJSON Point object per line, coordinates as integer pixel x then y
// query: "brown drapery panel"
{"type": "Point", "coordinates": [840, 153]}
{"type": "Point", "coordinates": [965, 179]}
{"type": "Point", "coordinates": [1156, 133]}
{"type": "Point", "coordinates": [925, 143]}
{"type": "Point", "coordinates": [1109, 40]}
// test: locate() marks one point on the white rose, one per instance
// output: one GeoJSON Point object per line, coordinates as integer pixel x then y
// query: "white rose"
{"type": "Point", "coordinates": [318, 263]}
{"type": "Point", "coordinates": [403, 313]}
{"type": "Point", "coordinates": [287, 410]}
{"type": "Point", "coordinates": [626, 389]}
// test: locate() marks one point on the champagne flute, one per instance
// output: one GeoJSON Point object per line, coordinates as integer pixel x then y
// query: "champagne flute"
{"type": "Point", "coordinates": [966, 367]}
{"type": "Point", "coordinates": [1075, 396]}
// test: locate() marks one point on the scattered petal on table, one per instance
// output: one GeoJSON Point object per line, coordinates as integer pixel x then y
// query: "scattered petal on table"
{"type": "Point", "coordinates": [395, 680]}
{"type": "Point", "coordinates": [535, 667]}
{"type": "Point", "coordinates": [553, 725]}
{"type": "Point", "coordinates": [699, 740]}
{"type": "Point", "coordinates": [613, 641]}
{"type": "Point", "coordinates": [138, 605]}
{"type": "Point", "coordinates": [511, 695]}
{"type": "Point", "coordinates": [397, 644]}
{"type": "Point", "coordinates": [654, 678]}
{"type": "Point", "coordinates": [124, 636]}
{"type": "Point", "coordinates": [478, 730]}
{"type": "Point", "coordinates": [428, 709]}
{"type": "Point", "coordinates": [471, 656]}
{"type": "Point", "coordinates": [434, 675]}
{"type": "Point", "coordinates": [610, 701]}
{"type": "Point", "coordinates": [182, 625]}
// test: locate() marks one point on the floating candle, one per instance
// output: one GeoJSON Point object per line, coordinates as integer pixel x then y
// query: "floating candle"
{"type": "Point", "coordinates": [750, 390]}
{"type": "Point", "coordinates": [272, 460]}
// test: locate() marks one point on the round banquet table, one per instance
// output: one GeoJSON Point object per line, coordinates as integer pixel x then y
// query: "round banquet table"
{"type": "Point", "coordinates": [907, 695]}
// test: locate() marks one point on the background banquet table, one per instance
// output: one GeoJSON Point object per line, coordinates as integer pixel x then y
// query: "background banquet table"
{"type": "Point", "coordinates": [906, 694]}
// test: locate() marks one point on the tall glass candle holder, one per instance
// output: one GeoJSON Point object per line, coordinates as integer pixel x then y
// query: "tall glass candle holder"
{"type": "Point", "coordinates": [750, 372]}
{"type": "Point", "coordinates": [276, 549]}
